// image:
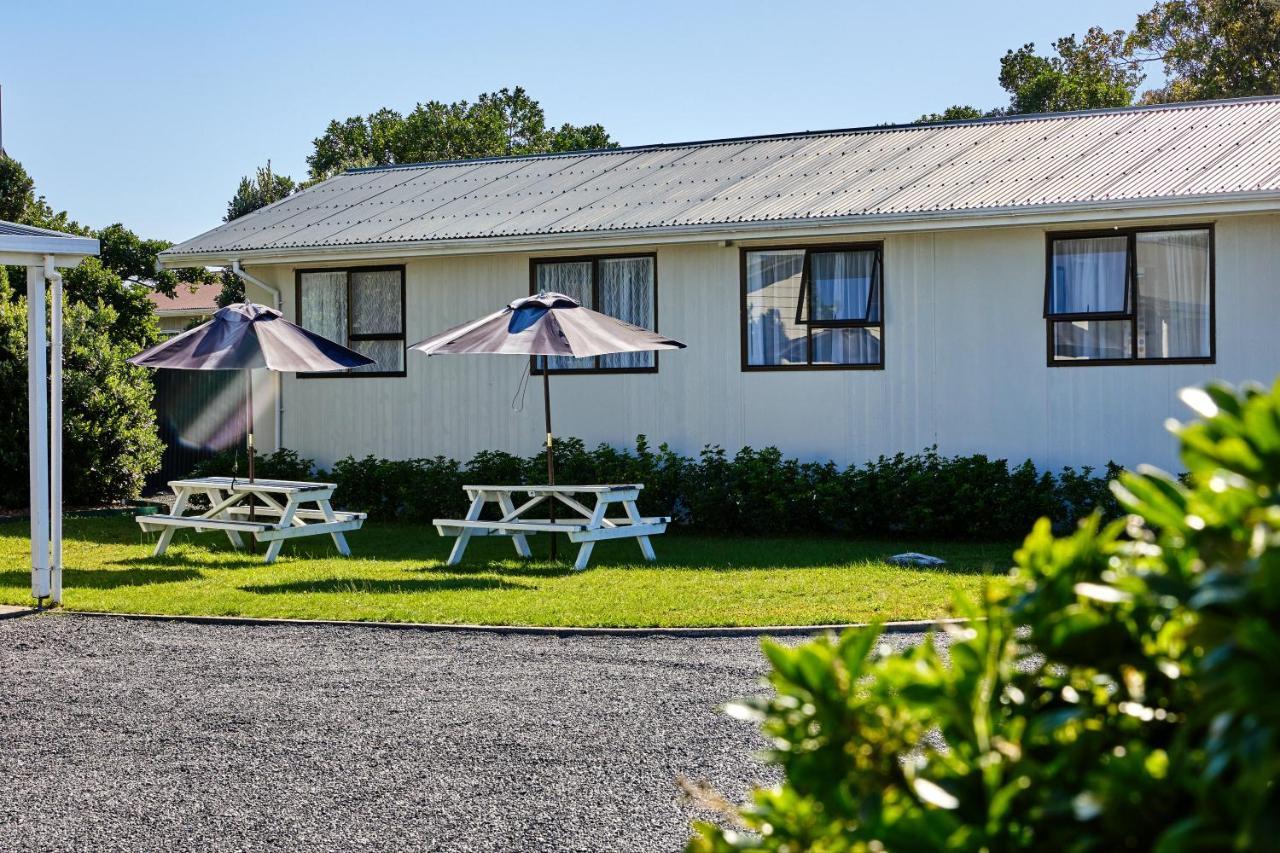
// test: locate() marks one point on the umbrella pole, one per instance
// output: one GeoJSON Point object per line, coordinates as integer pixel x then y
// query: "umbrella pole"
{"type": "Point", "coordinates": [551, 459]}
{"type": "Point", "coordinates": [248, 437]}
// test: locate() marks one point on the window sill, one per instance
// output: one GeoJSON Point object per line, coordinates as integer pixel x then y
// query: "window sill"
{"type": "Point", "coordinates": [349, 375]}
{"type": "Point", "coordinates": [783, 368]}
{"type": "Point", "coordinates": [599, 371]}
{"type": "Point", "coordinates": [1128, 362]}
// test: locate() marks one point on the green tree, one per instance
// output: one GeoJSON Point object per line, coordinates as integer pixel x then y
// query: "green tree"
{"type": "Point", "coordinates": [232, 289]}
{"type": "Point", "coordinates": [1082, 75]}
{"type": "Point", "coordinates": [958, 112]}
{"type": "Point", "coordinates": [264, 188]}
{"type": "Point", "coordinates": [498, 123]}
{"type": "Point", "coordinates": [17, 190]}
{"type": "Point", "coordinates": [1118, 690]}
{"type": "Point", "coordinates": [1210, 48]}
{"type": "Point", "coordinates": [135, 261]}
{"type": "Point", "coordinates": [110, 443]}
{"type": "Point", "coordinates": [133, 319]}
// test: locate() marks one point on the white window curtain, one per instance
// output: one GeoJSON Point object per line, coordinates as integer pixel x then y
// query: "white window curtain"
{"type": "Point", "coordinates": [1173, 294]}
{"type": "Point", "coordinates": [375, 310]}
{"type": "Point", "coordinates": [626, 292]}
{"type": "Point", "coordinates": [388, 356]}
{"type": "Point", "coordinates": [1090, 340]}
{"type": "Point", "coordinates": [375, 302]}
{"type": "Point", "coordinates": [324, 304]}
{"type": "Point", "coordinates": [1089, 275]}
{"type": "Point", "coordinates": [846, 346]}
{"type": "Point", "coordinates": [840, 286]}
{"type": "Point", "coordinates": [573, 279]}
{"type": "Point", "coordinates": [773, 292]}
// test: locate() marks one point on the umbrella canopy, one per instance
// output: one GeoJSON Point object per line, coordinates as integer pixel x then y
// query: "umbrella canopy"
{"type": "Point", "coordinates": [250, 336]}
{"type": "Point", "coordinates": [545, 324]}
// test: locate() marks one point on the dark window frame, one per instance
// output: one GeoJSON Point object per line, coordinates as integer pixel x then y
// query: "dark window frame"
{"type": "Point", "coordinates": [877, 246]}
{"type": "Point", "coordinates": [381, 336]}
{"type": "Point", "coordinates": [1131, 297]}
{"type": "Point", "coordinates": [594, 260]}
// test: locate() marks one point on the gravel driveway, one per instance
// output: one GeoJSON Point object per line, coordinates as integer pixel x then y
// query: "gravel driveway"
{"type": "Point", "coordinates": [149, 735]}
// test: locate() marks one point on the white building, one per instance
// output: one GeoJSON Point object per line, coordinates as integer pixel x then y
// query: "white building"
{"type": "Point", "coordinates": [1036, 287]}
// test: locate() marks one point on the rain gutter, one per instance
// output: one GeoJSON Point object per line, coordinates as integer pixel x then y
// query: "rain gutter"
{"type": "Point", "coordinates": [1057, 215]}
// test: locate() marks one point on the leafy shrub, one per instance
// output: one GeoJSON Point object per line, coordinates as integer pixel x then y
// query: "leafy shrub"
{"type": "Point", "coordinates": [282, 464]}
{"type": "Point", "coordinates": [110, 443]}
{"type": "Point", "coordinates": [1119, 690]}
{"type": "Point", "coordinates": [924, 496]}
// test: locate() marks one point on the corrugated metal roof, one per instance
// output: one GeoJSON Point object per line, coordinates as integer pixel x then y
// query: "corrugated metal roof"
{"type": "Point", "coordinates": [13, 229]}
{"type": "Point", "coordinates": [1125, 155]}
{"type": "Point", "coordinates": [25, 240]}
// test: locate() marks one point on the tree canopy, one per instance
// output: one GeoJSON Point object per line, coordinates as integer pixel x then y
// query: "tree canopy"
{"type": "Point", "coordinates": [265, 188]}
{"type": "Point", "coordinates": [1210, 48]}
{"type": "Point", "coordinates": [495, 124]}
{"type": "Point", "coordinates": [1206, 49]}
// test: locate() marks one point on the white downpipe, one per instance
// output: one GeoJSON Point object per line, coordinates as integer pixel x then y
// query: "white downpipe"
{"type": "Point", "coordinates": [239, 272]}
{"type": "Point", "coordinates": [54, 278]}
{"type": "Point", "coordinates": [38, 426]}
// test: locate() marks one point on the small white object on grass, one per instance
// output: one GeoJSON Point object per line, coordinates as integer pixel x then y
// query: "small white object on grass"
{"type": "Point", "coordinates": [913, 558]}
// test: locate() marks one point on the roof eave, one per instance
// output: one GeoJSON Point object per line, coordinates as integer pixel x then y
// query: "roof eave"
{"type": "Point", "coordinates": [19, 249]}
{"type": "Point", "coordinates": [1074, 212]}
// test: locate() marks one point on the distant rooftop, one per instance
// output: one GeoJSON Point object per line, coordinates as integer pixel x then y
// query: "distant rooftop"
{"type": "Point", "coordinates": [185, 301]}
{"type": "Point", "coordinates": [1216, 148]}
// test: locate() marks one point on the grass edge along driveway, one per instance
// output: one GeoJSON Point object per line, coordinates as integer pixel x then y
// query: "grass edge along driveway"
{"type": "Point", "coordinates": [397, 574]}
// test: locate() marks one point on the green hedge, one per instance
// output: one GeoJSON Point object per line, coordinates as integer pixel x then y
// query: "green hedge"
{"type": "Point", "coordinates": [924, 495]}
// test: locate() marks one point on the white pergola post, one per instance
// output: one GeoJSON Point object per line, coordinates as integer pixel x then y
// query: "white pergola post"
{"type": "Point", "coordinates": [55, 429]}
{"type": "Point", "coordinates": [38, 424]}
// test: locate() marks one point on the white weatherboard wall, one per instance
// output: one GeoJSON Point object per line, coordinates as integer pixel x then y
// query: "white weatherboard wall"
{"type": "Point", "coordinates": [964, 365]}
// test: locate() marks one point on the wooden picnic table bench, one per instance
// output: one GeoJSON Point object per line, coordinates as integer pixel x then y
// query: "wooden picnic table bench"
{"type": "Point", "coordinates": [270, 510]}
{"type": "Point", "coordinates": [586, 525]}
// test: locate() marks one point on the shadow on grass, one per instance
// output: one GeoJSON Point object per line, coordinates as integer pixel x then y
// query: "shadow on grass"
{"type": "Point", "coordinates": [389, 586]}
{"type": "Point", "coordinates": [107, 578]}
{"type": "Point", "coordinates": [734, 556]}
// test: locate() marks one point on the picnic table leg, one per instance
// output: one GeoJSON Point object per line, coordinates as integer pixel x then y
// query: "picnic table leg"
{"type": "Point", "coordinates": [286, 519]}
{"type": "Point", "coordinates": [584, 556]}
{"type": "Point", "coordinates": [520, 540]}
{"type": "Point", "coordinates": [646, 547]}
{"type": "Point", "coordinates": [594, 523]}
{"type": "Point", "coordinates": [234, 536]}
{"type": "Point", "coordinates": [464, 535]}
{"type": "Point", "coordinates": [166, 535]}
{"type": "Point", "coordinates": [339, 539]}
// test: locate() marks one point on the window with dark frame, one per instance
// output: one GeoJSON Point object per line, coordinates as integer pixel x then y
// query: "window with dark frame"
{"type": "Point", "coordinates": [622, 286]}
{"type": "Point", "coordinates": [813, 307]}
{"type": "Point", "coordinates": [360, 307]}
{"type": "Point", "coordinates": [1130, 296]}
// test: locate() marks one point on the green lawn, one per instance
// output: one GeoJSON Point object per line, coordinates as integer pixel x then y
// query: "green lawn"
{"type": "Point", "coordinates": [398, 574]}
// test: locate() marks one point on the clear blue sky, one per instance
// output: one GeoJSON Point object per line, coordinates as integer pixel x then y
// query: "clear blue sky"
{"type": "Point", "coordinates": [149, 112]}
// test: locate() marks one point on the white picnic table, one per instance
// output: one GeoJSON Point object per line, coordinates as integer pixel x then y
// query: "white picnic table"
{"type": "Point", "coordinates": [585, 525]}
{"type": "Point", "coordinates": [277, 513]}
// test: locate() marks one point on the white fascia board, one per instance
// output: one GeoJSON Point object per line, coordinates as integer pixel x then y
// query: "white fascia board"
{"type": "Point", "coordinates": [24, 258]}
{"type": "Point", "coordinates": [38, 244]}
{"type": "Point", "coordinates": [1047, 215]}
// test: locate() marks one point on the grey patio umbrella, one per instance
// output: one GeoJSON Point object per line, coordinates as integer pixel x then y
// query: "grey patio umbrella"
{"type": "Point", "coordinates": [245, 337]}
{"type": "Point", "coordinates": [548, 324]}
